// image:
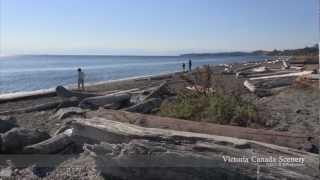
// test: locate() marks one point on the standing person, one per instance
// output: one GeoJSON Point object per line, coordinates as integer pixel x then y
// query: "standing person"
{"type": "Point", "coordinates": [184, 67]}
{"type": "Point", "coordinates": [80, 79]}
{"type": "Point", "coordinates": [190, 65]}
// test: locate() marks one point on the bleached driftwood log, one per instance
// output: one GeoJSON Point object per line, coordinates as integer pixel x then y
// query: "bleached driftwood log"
{"type": "Point", "coordinates": [264, 87]}
{"type": "Point", "coordinates": [245, 68]}
{"type": "Point", "coordinates": [270, 73]}
{"type": "Point", "coordinates": [253, 71]}
{"type": "Point", "coordinates": [251, 87]}
{"type": "Point", "coordinates": [295, 74]}
{"type": "Point", "coordinates": [99, 101]}
{"type": "Point", "coordinates": [285, 65]}
{"type": "Point", "coordinates": [286, 139]}
{"type": "Point", "coordinates": [134, 152]}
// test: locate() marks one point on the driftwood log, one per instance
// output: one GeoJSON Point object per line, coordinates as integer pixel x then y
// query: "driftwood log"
{"type": "Point", "coordinates": [159, 91]}
{"type": "Point", "coordinates": [294, 74]}
{"type": "Point", "coordinates": [50, 146]}
{"type": "Point", "coordinates": [271, 73]}
{"type": "Point", "coordinates": [43, 107]}
{"type": "Point", "coordinates": [145, 107]}
{"type": "Point", "coordinates": [14, 140]}
{"type": "Point", "coordinates": [248, 67]}
{"type": "Point", "coordinates": [129, 151]}
{"type": "Point", "coordinates": [100, 101]}
{"type": "Point", "coordinates": [64, 113]}
{"type": "Point", "coordinates": [264, 87]}
{"type": "Point", "coordinates": [253, 71]}
{"type": "Point", "coordinates": [268, 136]}
{"type": "Point", "coordinates": [65, 93]}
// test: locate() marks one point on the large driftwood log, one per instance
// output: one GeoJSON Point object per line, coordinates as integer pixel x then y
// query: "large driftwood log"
{"type": "Point", "coordinates": [44, 107]}
{"type": "Point", "coordinates": [50, 146]}
{"type": "Point", "coordinates": [14, 140]}
{"type": "Point", "coordinates": [64, 113]}
{"type": "Point", "coordinates": [65, 93]}
{"type": "Point", "coordinates": [264, 87]}
{"type": "Point", "coordinates": [295, 74]}
{"type": "Point", "coordinates": [248, 67]}
{"type": "Point", "coordinates": [273, 83]}
{"type": "Point", "coordinates": [271, 73]}
{"type": "Point", "coordinates": [273, 137]}
{"type": "Point", "coordinates": [253, 71]}
{"type": "Point", "coordinates": [146, 106]}
{"type": "Point", "coordinates": [149, 153]}
{"type": "Point", "coordinates": [100, 101]}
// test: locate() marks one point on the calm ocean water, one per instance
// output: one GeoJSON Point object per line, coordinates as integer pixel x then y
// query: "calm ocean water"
{"type": "Point", "coordinates": [29, 73]}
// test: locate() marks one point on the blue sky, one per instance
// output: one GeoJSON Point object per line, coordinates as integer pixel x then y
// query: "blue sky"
{"type": "Point", "coordinates": [157, 27]}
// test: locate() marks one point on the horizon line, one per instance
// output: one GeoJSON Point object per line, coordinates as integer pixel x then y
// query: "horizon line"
{"type": "Point", "coordinates": [149, 55]}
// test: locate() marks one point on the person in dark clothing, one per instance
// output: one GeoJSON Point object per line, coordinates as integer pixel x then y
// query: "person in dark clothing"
{"type": "Point", "coordinates": [190, 65]}
{"type": "Point", "coordinates": [184, 67]}
{"type": "Point", "coordinates": [310, 146]}
{"type": "Point", "coordinates": [81, 76]}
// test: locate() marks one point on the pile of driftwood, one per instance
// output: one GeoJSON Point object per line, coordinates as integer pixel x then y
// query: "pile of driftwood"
{"type": "Point", "coordinates": [125, 145]}
{"type": "Point", "coordinates": [126, 151]}
{"type": "Point", "coordinates": [132, 100]}
{"type": "Point", "coordinates": [264, 81]}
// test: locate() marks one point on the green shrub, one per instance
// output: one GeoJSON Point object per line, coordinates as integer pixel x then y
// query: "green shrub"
{"type": "Point", "coordinates": [216, 101]}
{"type": "Point", "coordinates": [211, 108]}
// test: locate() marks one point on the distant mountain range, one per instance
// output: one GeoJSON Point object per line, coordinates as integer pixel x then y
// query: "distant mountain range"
{"type": "Point", "coordinates": [307, 51]}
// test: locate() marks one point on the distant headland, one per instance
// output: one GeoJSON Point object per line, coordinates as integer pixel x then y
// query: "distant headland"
{"type": "Point", "coordinates": [307, 51]}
